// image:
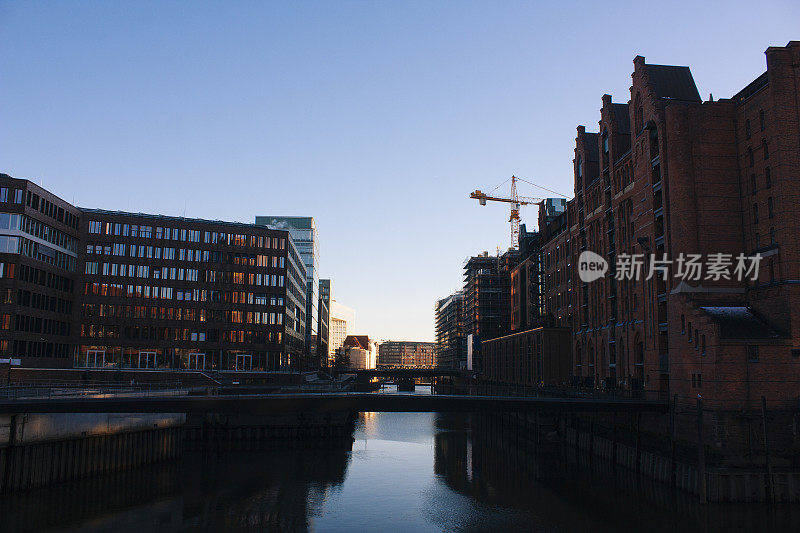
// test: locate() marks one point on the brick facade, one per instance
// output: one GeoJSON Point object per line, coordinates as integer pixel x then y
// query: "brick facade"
{"type": "Point", "coordinates": [668, 173]}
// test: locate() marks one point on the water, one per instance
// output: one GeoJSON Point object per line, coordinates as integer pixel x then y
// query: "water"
{"type": "Point", "coordinates": [402, 472]}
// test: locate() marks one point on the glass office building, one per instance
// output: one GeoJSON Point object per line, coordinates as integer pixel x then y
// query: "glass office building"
{"type": "Point", "coordinates": [304, 234]}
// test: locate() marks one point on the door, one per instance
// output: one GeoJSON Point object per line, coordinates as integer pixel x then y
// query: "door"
{"type": "Point", "coordinates": [244, 362]}
{"type": "Point", "coordinates": [147, 359]}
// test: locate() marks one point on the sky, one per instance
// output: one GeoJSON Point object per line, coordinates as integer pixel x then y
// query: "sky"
{"type": "Point", "coordinates": [377, 118]}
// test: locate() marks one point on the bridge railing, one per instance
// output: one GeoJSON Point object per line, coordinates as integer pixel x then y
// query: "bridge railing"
{"type": "Point", "coordinates": [21, 391]}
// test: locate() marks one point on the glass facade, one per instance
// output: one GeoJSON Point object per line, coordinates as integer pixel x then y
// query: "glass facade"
{"type": "Point", "coordinates": [304, 234]}
{"type": "Point", "coordinates": [166, 292]}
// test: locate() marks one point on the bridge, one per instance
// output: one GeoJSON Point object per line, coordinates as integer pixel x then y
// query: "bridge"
{"type": "Point", "coordinates": [325, 402]}
{"type": "Point", "coordinates": [401, 373]}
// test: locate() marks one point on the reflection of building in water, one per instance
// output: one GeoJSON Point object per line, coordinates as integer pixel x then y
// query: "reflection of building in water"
{"type": "Point", "coordinates": [254, 490]}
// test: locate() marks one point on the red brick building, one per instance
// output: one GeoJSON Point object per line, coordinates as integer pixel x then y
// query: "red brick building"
{"type": "Point", "coordinates": [669, 173]}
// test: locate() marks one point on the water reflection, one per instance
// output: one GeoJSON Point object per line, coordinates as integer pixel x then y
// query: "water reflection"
{"type": "Point", "coordinates": [402, 471]}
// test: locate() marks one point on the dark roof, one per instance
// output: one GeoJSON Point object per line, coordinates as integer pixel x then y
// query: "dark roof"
{"type": "Point", "coordinates": [740, 323]}
{"type": "Point", "coordinates": [674, 83]}
{"type": "Point", "coordinates": [622, 117]}
{"type": "Point", "coordinates": [752, 88]}
{"type": "Point", "coordinates": [592, 147]}
{"type": "Point", "coordinates": [358, 341]}
{"type": "Point", "coordinates": [176, 219]}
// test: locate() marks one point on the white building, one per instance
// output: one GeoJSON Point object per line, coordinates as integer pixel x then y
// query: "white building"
{"type": "Point", "coordinates": [341, 322]}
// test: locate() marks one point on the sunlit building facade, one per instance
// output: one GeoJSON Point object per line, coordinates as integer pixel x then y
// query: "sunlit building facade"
{"type": "Point", "coordinates": [170, 292]}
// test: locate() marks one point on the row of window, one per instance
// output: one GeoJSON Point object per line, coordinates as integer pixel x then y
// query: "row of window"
{"type": "Point", "coordinates": [45, 279]}
{"type": "Point", "coordinates": [158, 333]}
{"type": "Point", "coordinates": [51, 210]}
{"type": "Point", "coordinates": [39, 349]}
{"type": "Point", "coordinates": [44, 302]}
{"type": "Point", "coordinates": [184, 359]}
{"type": "Point", "coordinates": [186, 235]}
{"type": "Point", "coordinates": [13, 195]}
{"type": "Point", "coordinates": [46, 254]}
{"type": "Point", "coordinates": [15, 221]}
{"type": "Point", "coordinates": [184, 274]}
{"type": "Point", "coordinates": [185, 254]}
{"type": "Point", "coordinates": [182, 313]}
{"type": "Point", "coordinates": [761, 121]}
{"type": "Point", "coordinates": [44, 326]}
{"type": "Point", "coordinates": [119, 290]}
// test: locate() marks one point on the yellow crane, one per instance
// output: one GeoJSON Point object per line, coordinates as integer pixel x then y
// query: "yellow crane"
{"type": "Point", "coordinates": [515, 200]}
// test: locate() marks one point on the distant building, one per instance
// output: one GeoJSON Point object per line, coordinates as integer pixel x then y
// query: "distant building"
{"type": "Point", "coordinates": [304, 234]}
{"type": "Point", "coordinates": [487, 299]}
{"type": "Point", "coordinates": [407, 354]}
{"type": "Point", "coordinates": [323, 323]}
{"type": "Point", "coordinates": [342, 320]}
{"type": "Point", "coordinates": [358, 352]}
{"type": "Point", "coordinates": [451, 341]}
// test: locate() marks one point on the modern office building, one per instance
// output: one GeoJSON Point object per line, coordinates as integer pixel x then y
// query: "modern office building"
{"type": "Point", "coordinates": [304, 233]}
{"type": "Point", "coordinates": [171, 292]}
{"type": "Point", "coordinates": [342, 321]}
{"type": "Point", "coordinates": [451, 341]}
{"type": "Point", "coordinates": [39, 243]}
{"type": "Point", "coordinates": [407, 354]}
{"type": "Point", "coordinates": [323, 323]}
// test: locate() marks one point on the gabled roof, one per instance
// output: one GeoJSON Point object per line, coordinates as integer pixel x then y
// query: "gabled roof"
{"type": "Point", "coordinates": [673, 83]}
{"type": "Point", "coordinates": [740, 323]}
{"type": "Point", "coordinates": [592, 148]}
{"type": "Point", "coordinates": [622, 117]}
{"type": "Point", "coordinates": [357, 341]}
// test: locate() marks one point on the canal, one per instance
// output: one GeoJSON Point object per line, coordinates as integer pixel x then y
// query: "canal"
{"type": "Point", "coordinates": [401, 472]}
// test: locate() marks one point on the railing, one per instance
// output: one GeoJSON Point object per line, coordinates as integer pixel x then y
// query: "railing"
{"type": "Point", "coordinates": [73, 390]}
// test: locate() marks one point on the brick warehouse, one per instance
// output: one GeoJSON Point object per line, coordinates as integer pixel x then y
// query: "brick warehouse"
{"type": "Point", "coordinates": [104, 289]}
{"type": "Point", "coordinates": [669, 173]}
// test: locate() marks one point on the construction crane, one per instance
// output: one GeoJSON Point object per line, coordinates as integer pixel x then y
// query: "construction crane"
{"type": "Point", "coordinates": [515, 200]}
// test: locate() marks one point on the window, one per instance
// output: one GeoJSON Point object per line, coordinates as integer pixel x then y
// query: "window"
{"type": "Point", "coordinates": [755, 213]}
{"type": "Point", "coordinates": [768, 178]}
{"type": "Point", "coordinates": [18, 196]}
{"type": "Point", "coordinates": [3, 194]}
{"type": "Point", "coordinates": [761, 118]}
{"type": "Point", "coordinates": [770, 209]}
{"type": "Point", "coordinates": [752, 353]}
{"type": "Point", "coordinates": [683, 324]}
{"type": "Point", "coordinates": [765, 147]}
{"type": "Point", "coordinates": [94, 226]}
{"type": "Point", "coordinates": [753, 183]}
{"type": "Point", "coordinates": [772, 235]}
{"type": "Point", "coordinates": [747, 129]}
{"type": "Point", "coordinates": [703, 350]}
{"type": "Point", "coordinates": [750, 157]}
{"type": "Point", "coordinates": [690, 332]}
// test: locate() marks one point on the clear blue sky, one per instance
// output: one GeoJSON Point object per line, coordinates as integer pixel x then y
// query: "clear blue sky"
{"type": "Point", "coordinates": [377, 118]}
